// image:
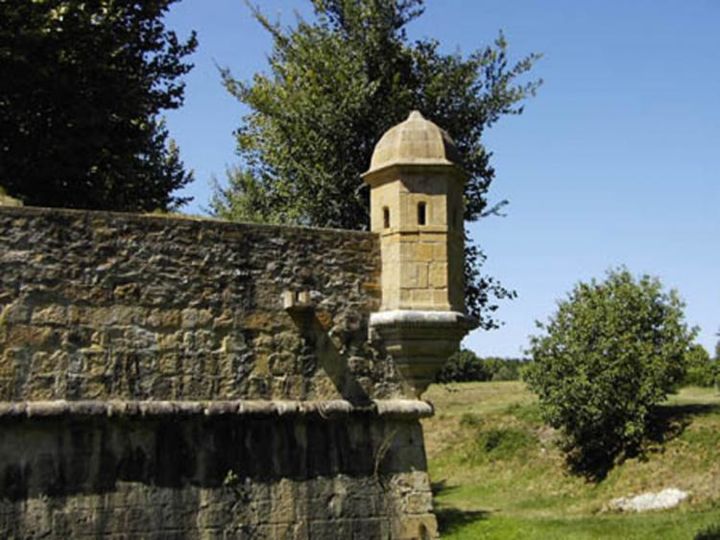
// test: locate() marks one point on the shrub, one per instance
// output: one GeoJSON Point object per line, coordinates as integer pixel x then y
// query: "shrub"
{"type": "Point", "coordinates": [506, 372]}
{"type": "Point", "coordinates": [701, 369]}
{"type": "Point", "coordinates": [466, 366]}
{"type": "Point", "coordinates": [463, 366]}
{"type": "Point", "coordinates": [611, 352]}
{"type": "Point", "coordinates": [500, 444]}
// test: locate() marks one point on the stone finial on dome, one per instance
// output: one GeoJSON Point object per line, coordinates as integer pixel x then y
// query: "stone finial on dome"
{"type": "Point", "coordinates": [416, 141]}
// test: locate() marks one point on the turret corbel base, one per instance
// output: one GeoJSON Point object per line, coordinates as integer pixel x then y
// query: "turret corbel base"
{"type": "Point", "coordinates": [420, 342]}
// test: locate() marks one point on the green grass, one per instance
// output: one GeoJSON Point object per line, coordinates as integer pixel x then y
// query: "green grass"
{"type": "Point", "coordinates": [666, 526]}
{"type": "Point", "coordinates": [497, 472]}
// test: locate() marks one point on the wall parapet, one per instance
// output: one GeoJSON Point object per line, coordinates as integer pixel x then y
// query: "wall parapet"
{"type": "Point", "coordinates": [38, 211]}
{"type": "Point", "coordinates": [110, 306]}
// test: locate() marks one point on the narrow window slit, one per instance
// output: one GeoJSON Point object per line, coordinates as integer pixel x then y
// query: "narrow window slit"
{"type": "Point", "coordinates": [386, 217]}
{"type": "Point", "coordinates": [422, 213]}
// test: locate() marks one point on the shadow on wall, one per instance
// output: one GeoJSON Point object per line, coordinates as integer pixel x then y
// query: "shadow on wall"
{"type": "Point", "coordinates": [331, 351]}
{"type": "Point", "coordinates": [57, 457]}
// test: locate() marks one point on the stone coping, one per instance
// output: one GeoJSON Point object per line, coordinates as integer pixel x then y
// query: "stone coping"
{"type": "Point", "coordinates": [394, 408]}
{"type": "Point", "coordinates": [417, 318]}
{"type": "Point", "coordinates": [205, 221]}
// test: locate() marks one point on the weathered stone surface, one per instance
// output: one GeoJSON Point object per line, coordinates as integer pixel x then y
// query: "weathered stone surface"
{"type": "Point", "coordinates": [663, 500]}
{"type": "Point", "coordinates": [392, 408]}
{"type": "Point", "coordinates": [306, 477]}
{"type": "Point", "coordinates": [416, 206]}
{"type": "Point", "coordinates": [154, 385]}
{"type": "Point", "coordinates": [112, 306]}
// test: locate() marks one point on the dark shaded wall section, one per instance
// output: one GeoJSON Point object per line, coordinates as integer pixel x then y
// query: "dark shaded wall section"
{"type": "Point", "coordinates": [223, 477]}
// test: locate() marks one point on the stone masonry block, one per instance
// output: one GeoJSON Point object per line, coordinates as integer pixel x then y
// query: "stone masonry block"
{"type": "Point", "coordinates": [422, 527]}
{"type": "Point", "coordinates": [331, 529]}
{"type": "Point", "coordinates": [440, 298]}
{"type": "Point", "coordinates": [440, 251]}
{"type": "Point", "coordinates": [424, 252]}
{"type": "Point", "coordinates": [438, 275]}
{"type": "Point", "coordinates": [413, 275]}
{"type": "Point", "coordinates": [419, 503]}
{"type": "Point", "coordinates": [421, 296]}
{"type": "Point", "coordinates": [53, 314]}
{"type": "Point", "coordinates": [364, 529]}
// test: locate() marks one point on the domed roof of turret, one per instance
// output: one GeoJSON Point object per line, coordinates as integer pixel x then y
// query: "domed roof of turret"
{"type": "Point", "coordinates": [416, 141]}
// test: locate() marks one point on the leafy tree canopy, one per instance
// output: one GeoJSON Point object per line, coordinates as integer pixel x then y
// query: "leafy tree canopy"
{"type": "Point", "coordinates": [701, 370]}
{"type": "Point", "coordinates": [612, 351]}
{"type": "Point", "coordinates": [335, 85]}
{"type": "Point", "coordinates": [81, 86]}
{"type": "Point", "coordinates": [466, 366]}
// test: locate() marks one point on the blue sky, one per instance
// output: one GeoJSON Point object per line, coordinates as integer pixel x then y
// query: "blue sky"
{"type": "Point", "coordinates": [615, 162]}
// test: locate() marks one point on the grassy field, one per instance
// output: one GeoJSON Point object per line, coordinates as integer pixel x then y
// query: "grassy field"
{"type": "Point", "coordinates": [497, 473]}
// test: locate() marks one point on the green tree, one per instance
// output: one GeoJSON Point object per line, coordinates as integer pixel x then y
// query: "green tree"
{"type": "Point", "coordinates": [701, 370]}
{"type": "Point", "coordinates": [336, 84]}
{"type": "Point", "coordinates": [611, 352]}
{"type": "Point", "coordinates": [82, 83]}
{"type": "Point", "coordinates": [466, 366]}
{"type": "Point", "coordinates": [463, 366]}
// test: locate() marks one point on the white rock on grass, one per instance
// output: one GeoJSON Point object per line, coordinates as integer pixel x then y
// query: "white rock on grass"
{"type": "Point", "coordinates": [667, 498]}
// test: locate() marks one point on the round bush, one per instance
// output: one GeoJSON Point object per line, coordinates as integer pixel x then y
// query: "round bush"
{"type": "Point", "coordinates": [611, 352]}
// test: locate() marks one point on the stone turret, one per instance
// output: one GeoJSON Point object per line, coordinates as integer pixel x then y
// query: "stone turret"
{"type": "Point", "coordinates": [416, 206]}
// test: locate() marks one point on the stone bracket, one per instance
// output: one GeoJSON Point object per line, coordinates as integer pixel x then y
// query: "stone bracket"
{"type": "Point", "coordinates": [420, 342]}
{"type": "Point", "coordinates": [297, 301]}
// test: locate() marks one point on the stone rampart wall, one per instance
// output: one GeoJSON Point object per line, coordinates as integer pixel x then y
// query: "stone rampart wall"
{"type": "Point", "coordinates": [115, 306]}
{"type": "Point", "coordinates": [175, 378]}
{"type": "Point", "coordinates": [218, 476]}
